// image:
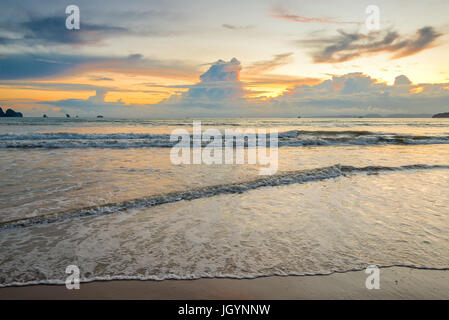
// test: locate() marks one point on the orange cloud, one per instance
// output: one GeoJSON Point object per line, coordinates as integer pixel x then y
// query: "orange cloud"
{"type": "Point", "coordinates": [416, 90]}
{"type": "Point", "coordinates": [281, 13]}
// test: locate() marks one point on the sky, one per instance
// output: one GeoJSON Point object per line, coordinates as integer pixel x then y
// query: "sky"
{"type": "Point", "coordinates": [207, 58]}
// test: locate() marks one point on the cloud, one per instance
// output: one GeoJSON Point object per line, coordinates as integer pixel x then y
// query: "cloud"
{"type": "Point", "coordinates": [347, 46]}
{"type": "Point", "coordinates": [101, 79]}
{"type": "Point", "coordinates": [31, 24]}
{"type": "Point", "coordinates": [223, 71]}
{"type": "Point", "coordinates": [280, 12]}
{"type": "Point", "coordinates": [348, 94]}
{"type": "Point", "coordinates": [234, 27]}
{"type": "Point", "coordinates": [61, 86]}
{"type": "Point", "coordinates": [402, 80]}
{"type": "Point", "coordinates": [40, 66]}
{"type": "Point", "coordinates": [219, 84]}
{"type": "Point", "coordinates": [137, 64]}
{"type": "Point", "coordinates": [220, 92]}
{"type": "Point", "coordinates": [52, 31]}
{"type": "Point", "coordinates": [28, 66]}
{"type": "Point", "coordinates": [269, 65]}
{"type": "Point", "coordinates": [279, 79]}
{"type": "Point", "coordinates": [51, 86]}
{"type": "Point", "coordinates": [356, 93]}
{"type": "Point", "coordinates": [422, 40]}
{"type": "Point", "coordinates": [93, 106]}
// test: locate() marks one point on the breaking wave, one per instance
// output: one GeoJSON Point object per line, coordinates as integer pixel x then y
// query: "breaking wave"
{"type": "Point", "coordinates": [294, 138]}
{"type": "Point", "coordinates": [360, 267]}
{"type": "Point", "coordinates": [286, 178]}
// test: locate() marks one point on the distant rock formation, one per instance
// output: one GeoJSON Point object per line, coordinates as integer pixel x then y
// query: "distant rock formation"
{"type": "Point", "coordinates": [10, 113]}
{"type": "Point", "coordinates": [441, 115]}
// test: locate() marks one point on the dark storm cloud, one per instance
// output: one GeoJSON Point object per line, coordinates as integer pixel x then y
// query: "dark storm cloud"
{"type": "Point", "coordinates": [41, 66]}
{"type": "Point", "coordinates": [27, 66]}
{"type": "Point", "coordinates": [424, 37]}
{"type": "Point", "coordinates": [52, 30]}
{"type": "Point", "coordinates": [347, 46]}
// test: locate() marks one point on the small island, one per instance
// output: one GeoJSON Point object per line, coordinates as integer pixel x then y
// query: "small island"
{"type": "Point", "coordinates": [441, 115]}
{"type": "Point", "coordinates": [10, 113]}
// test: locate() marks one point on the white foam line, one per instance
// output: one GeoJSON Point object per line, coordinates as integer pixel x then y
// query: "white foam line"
{"type": "Point", "coordinates": [291, 177]}
{"type": "Point", "coordinates": [217, 276]}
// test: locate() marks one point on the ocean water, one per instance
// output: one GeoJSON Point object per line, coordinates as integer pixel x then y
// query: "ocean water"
{"type": "Point", "coordinates": [103, 194]}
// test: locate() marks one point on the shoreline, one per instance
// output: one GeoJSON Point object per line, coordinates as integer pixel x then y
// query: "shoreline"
{"type": "Point", "coordinates": [395, 283]}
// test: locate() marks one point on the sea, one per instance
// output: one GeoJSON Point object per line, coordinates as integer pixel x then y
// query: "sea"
{"type": "Point", "coordinates": [103, 195]}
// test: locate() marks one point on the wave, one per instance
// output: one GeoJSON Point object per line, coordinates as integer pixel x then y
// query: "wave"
{"type": "Point", "coordinates": [78, 136]}
{"type": "Point", "coordinates": [286, 178]}
{"type": "Point", "coordinates": [292, 138]}
{"type": "Point", "coordinates": [242, 276]}
{"type": "Point", "coordinates": [354, 137]}
{"type": "Point", "coordinates": [330, 132]}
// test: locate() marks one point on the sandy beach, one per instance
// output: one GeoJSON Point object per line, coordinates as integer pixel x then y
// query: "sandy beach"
{"type": "Point", "coordinates": [396, 283]}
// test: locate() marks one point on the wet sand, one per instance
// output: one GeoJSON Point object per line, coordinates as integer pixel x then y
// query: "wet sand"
{"type": "Point", "coordinates": [395, 283]}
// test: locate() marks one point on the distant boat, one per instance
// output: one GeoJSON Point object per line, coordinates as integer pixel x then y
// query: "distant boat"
{"type": "Point", "coordinates": [299, 117]}
{"type": "Point", "coordinates": [99, 116]}
{"type": "Point", "coordinates": [67, 115]}
{"type": "Point", "coordinates": [45, 116]}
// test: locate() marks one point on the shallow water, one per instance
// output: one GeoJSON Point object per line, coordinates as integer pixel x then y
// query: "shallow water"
{"type": "Point", "coordinates": [348, 192]}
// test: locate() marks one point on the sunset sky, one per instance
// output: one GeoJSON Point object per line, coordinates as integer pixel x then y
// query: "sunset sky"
{"type": "Point", "coordinates": [141, 58]}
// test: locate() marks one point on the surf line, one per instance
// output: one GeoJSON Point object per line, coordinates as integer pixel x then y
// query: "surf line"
{"type": "Point", "coordinates": [285, 178]}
